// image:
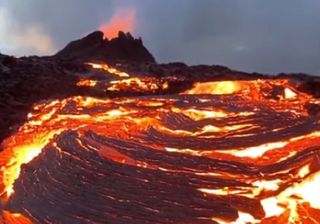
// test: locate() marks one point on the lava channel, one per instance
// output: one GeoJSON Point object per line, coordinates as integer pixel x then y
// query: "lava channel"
{"type": "Point", "coordinates": [221, 152]}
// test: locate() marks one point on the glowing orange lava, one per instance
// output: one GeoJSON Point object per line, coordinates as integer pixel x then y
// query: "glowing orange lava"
{"type": "Point", "coordinates": [109, 69]}
{"type": "Point", "coordinates": [226, 122]}
{"type": "Point", "coordinates": [87, 83]}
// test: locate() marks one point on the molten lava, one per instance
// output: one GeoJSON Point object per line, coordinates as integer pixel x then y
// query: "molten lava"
{"type": "Point", "coordinates": [122, 19]}
{"type": "Point", "coordinates": [109, 69]}
{"type": "Point", "coordinates": [219, 88]}
{"type": "Point", "coordinates": [220, 152]}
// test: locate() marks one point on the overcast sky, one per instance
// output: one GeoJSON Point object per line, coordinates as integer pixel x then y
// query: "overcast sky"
{"type": "Point", "coordinates": [252, 35]}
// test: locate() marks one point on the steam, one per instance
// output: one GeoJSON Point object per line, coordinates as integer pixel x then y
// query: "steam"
{"type": "Point", "coordinates": [123, 19]}
{"type": "Point", "coordinates": [19, 40]}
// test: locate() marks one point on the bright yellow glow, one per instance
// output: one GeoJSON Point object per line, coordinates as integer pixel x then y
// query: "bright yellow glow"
{"type": "Point", "coordinates": [305, 191]}
{"type": "Point", "coordinates": [289, 94]}
{"type": "Point", "coordinates": [216, 88]}
{"type": "Point", "coordinates": [243, 218]}
{"type": "Point", "coordinates": [23, 154]}
{"type": "Point", "coordinates": [265, 185]}
{"type": "Point", "coordinates": [255, 151]}
{"type": "Point", "coordinates": [271, 207]}
{"type": "Point", "coordinates": [207, 129]}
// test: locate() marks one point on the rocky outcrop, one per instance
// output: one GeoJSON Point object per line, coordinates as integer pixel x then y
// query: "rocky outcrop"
{"type": "Point", "coordinates": [95, 47]}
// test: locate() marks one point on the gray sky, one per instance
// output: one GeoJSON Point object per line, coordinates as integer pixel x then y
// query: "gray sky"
{"type": "Point", "coordinates": [252, 35]}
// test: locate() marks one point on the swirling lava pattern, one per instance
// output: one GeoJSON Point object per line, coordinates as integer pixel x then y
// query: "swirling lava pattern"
{"type": "Point", "coordinates": [236, 157]}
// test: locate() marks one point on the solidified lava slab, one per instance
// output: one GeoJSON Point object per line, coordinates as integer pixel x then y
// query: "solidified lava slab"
{"type": "Point", "coordinates": [77, 185]}
{"type": "Point", "coordinates": [81, 187]}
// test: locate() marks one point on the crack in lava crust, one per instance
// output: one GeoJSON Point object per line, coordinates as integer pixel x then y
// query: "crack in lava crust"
{"type": "Point", "coordinates": [188, 158]}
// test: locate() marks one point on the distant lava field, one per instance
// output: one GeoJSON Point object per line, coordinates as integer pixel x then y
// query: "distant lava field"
{"type": "Point", "coordinates": [145, 143]}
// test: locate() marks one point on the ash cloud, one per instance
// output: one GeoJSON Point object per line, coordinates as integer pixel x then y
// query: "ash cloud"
{"type": "Point", "coordinates": [61, 21]}
{"type": "Point", "coordinates": [251, 35]}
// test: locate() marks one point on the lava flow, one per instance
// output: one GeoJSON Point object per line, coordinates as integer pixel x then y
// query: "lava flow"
{"type": "Point", "coordinates": [221, 152]}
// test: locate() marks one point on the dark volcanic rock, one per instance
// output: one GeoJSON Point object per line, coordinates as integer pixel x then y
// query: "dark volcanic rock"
{"type": "Point", "coordinates": [26, 81]}
{"type": "Point", "coordinates": [95, 47]}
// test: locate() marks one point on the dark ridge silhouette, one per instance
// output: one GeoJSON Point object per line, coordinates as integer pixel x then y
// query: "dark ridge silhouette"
{"type": "Point", "coordinates": [95, 47]}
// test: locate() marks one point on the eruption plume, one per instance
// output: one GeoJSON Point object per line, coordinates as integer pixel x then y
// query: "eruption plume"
{"type": "Point", "coordinates": [123, 19]}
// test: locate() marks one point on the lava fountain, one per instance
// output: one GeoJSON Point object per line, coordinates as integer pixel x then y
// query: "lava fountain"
{"type": "Point", "coordinates": [221, 152]}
